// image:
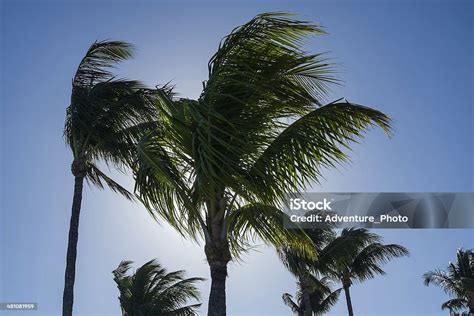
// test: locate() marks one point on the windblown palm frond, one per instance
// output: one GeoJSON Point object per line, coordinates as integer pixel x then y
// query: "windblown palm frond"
{"type": "Point", "coordinates": [151, 290]}
{"type": "Point", "coordinates": [99, 59]}
{"type": "Point", "coordinates": [457, 281]}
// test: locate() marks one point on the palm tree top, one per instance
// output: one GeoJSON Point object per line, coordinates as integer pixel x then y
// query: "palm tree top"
{"type": "Point", "coordinates": [106, 116]}
{"type": "Point", "coordinates": [457, 281]}
{"type": "Point", "coordinates": [152, 290]}
{"type": "Point", "coordinates": [321, 297]}
{"type": "Point", "coordinates": [257, 131]}
{"type": "Point", "coordinates": [367, 255]}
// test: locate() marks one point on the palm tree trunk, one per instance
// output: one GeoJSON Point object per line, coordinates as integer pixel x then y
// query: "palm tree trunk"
{"type": "Point", "coordinates": [307, 304]}
{"type": "Point", "coordinates": [218, 255]}
{"type": "Point", "coordinates": [70, 274]}
{"type": "Point", "coordinates": [306, 297]}
{"type": "Point", "coordinates": [217, 297]}
{"type": "Point", "coordinates": [348, 300]}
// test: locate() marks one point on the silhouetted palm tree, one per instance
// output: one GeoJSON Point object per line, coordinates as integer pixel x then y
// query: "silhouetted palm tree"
{"type": "Point", "coordinates": [105, 117]}
{"type": "Point", "coordinates": [321, 297]}
{"type": "Point", "coordinates": [301, 266]}
{"type": "Point", "coordinates": [152, 291]}
{"type": "Point", "coordinates": [457, 281]}
{"type": "Point", "coordinates": [332, 251]}
{"type": "Point", "coordinates": [219, 167]}
{"type": "Point", "coordinates": [365, 261]}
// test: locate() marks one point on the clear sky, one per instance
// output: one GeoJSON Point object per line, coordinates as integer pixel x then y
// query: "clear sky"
{"type": "Point", "coordinates": [410, 59]}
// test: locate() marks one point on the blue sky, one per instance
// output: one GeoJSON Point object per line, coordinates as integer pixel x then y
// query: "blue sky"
{"type": "Point", "coordinates": [410, 59]}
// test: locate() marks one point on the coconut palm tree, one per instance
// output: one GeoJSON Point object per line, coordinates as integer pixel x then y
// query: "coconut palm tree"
{"type": "Point", "coordinates": [365, 260]}
{"type": "Point", "coordinates": [457, 281]}
{"type": "Point", "coordinates": [332, 251]}
{"type": "Point", "coordinates": [151, 291]}
{"type": "Point", "coordinates": [321, 298]}
{"type": "Point", "coordinates": [219, 167]}
{"type": "Point", "coordinates": [105, 117]}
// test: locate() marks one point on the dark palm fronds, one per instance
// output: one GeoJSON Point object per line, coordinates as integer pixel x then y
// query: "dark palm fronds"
{"type": "Point", "coordinates": [151, 290]}
{"type": "Point", "coordinates": [457, 281]}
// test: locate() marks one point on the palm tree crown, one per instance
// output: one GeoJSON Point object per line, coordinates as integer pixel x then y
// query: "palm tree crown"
{"type": "Point", "coordinates": [458, 281]}
{"type": "Point", "coordinates": [151, 291]}
{"type": "Point", "coordinates": [106, 116]}
{"type": "Point", "coordinates": [104, 120]}
{"type": "Point", "coordinates": [219, 167]}
{"type": "Point", "coordinates": [320, 294]}
{"type": "Point", "coordinates": [365, 260]}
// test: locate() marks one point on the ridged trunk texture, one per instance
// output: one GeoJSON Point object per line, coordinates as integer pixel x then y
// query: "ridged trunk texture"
{"type": "Point", "coordinates": [217, 297]}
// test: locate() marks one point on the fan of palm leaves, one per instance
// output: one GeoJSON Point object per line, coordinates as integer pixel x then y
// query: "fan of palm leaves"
{"type": "Point", "coordinates": [320, 294]}
{"type": "Point", "coordinates": [151, 290]}
{"type": "Point", "coordinates": [457, 281]}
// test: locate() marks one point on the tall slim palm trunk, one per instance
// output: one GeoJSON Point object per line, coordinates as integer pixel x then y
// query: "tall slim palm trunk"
{"type": "Point", "coordinates": [78, 169]}
{"type": "Point", "coordinates": [218, 255]}
{"type": "Point", "coordinates": [348, 300]}
{"type": "Point", "coordinates": [217, 297]}
{"type": "Point", "coordinates": [306, 297]}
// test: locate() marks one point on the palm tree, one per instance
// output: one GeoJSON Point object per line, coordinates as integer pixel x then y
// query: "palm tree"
{"type": "Point", "coordinates": [220, 167]}
{"type": "Point", "coordinates": [332, 251]}
{"type": "Point", "coordinates": [151, 290]}
{"type": "Point", "coordinates": [321, 298]}
{"type": "Point", "coordinates": [104, 119]}
{"type": "Point", "coordinates": [365, 260]}
{"type": "Point", "coordinates": [457, 281]}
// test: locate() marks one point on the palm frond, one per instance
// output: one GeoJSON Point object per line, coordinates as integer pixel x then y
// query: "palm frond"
{"type": "Point", "coordinates": [161, 184]}
{"type": "Point", "coordinates": [368, 261]}
{"type": "Point", "coordinates": [443, 280]}
{"type": "Point", "coordinates": [296, 155]}
{"type": "Point", "coordinates": [342, 249]}
{"type": "Point", "coordinates": [266, 223]}
{"type": "Point", "coordinates": [288, 301]}
{"type": "Point", "coordinates": [96, 177]}
{"type": "Point", "coordinates": [99, 58]}
{"type": "Point", "coordinates": [455, 305]}
{"type": "Point", "coordinates": [328, 302]}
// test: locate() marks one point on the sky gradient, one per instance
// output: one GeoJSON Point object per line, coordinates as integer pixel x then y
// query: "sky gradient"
{"type": "Point", "coordinates": [411, 59]}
